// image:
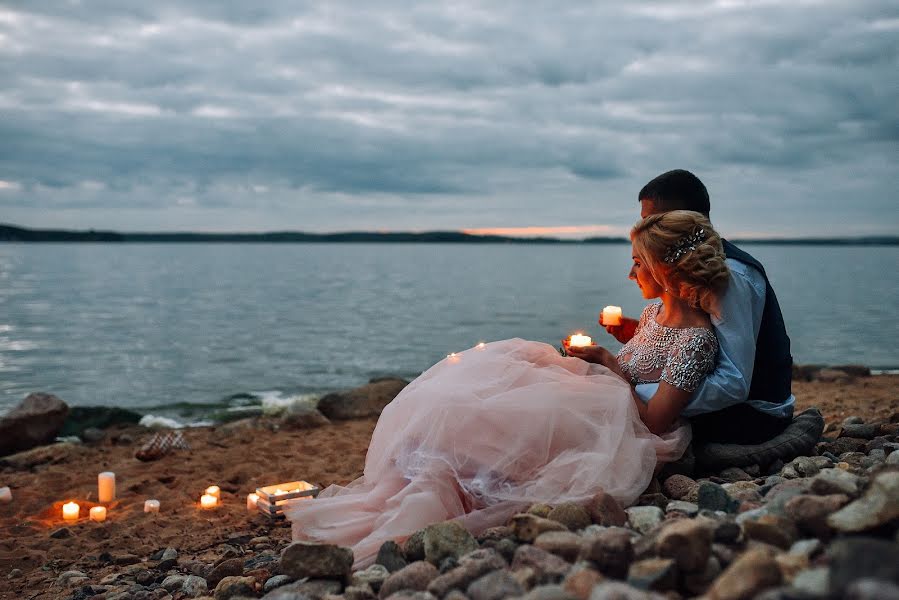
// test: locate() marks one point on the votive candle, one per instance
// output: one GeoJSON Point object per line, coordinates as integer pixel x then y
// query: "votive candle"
{"type": "Point", "coordinates": [70, 511]}
{"type": "Point", "coordinates": [151, 506]}
{"type": "Point", "coordinates": [580, 340]}
{"type": "Point", "coordinates": [251, 501]}
{"type": "Point", "coordinates": [208, 501]}
{"type": "Point", "coordinates": [98, 514]}
{"type": "Point", "coordinates": [106, 486]}
{"type": "Point", "coordinates": [213, 490]}
{"type": "Point", "coordinates": [5, 494]}
{"type": "Point", "coordinates": [611, 315]}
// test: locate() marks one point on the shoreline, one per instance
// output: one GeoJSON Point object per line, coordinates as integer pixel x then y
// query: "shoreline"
{"type": "Point", "coordinates": [239, 457]}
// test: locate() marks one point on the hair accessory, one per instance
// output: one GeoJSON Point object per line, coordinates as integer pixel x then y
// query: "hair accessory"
{"type": "Point", "coordinates": [684, 245]}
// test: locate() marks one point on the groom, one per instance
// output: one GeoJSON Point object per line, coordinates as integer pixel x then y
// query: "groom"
{"type": "Point", "coordinates": [748, 398]}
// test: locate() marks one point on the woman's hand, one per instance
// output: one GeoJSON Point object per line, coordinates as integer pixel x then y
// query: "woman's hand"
{"type": "Point", "coordinates": [624, 332]}
{"type": "Point", "coordinates": [593, 354]}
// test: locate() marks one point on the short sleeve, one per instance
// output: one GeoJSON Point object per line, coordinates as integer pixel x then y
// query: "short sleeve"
{"type": "Point", "coordinates": [690, 359]}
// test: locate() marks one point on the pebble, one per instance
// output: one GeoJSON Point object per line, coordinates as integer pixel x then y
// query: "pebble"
{"type": "Point", "coordinates": [644, 518]}
{"type": "Point", "coordinates": [659, 574]}
{"type": "Point", "coordinates": [611, 551]}
{"type": "Point", "coordinates": [494, 586]}
{"type": "Point", "coordinates": [527, 527]}
{"type": "Point", "coordinates": [712, 496]}
{"type": "Point", "coordinates": [306, 559]}
{"type": "Point", "coordinates": [571, 515]}
{"type": "Point", "coordinates": [235, 587]}
{"type": "Point", "coordinates": [813, 581]}
{"type": "Point", "coordinates": [275, 582]}
{"type": "Point", "coordinates": [686, 508]}
{"type": "Point", "coordinates": [688, 542]}
{"type": "Point", "coordinates": [606, 511]}
{"type": "Point", "coordinates": [447, 539]}
{"type": "Point", "coordinates": [750, 574]}
{"type": "Point", "coordinates": [415, 576]}
{"type": "Point", "coordinates": [390, 555]}
{"type": "Point", "coordinates": [878, 506]}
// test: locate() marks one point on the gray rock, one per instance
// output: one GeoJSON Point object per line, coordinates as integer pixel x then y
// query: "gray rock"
{"type": "Point", "coordinates": [860, 558]}
{"type": "Point", "coordinates": [415, 576]}
{"type": "Point", "coordinates": [312, 589]}
{"type": "Point", "coordinates": [359, 592]}
{"type": "Point", "coordinates": [644, 518]}
{"type": "Point", "coordinates": [679, 487]}
{"type": "Point", "coordinates": [852, 420]}
{"type": "Point", "coordinates": [605, 510]}
{"type": "Point", "coordinates": [67, 577]}
{"type": "Point", "coordinates": [750, 574]}
{"type": "Point", "coordinates": [366, 401]}
{"type": "Point", "coordinates": [375, 575]}
{"type": "Point", "coordinates": [35, 421]}
{"type": "Point", "coordinates": [893, 458]}
{"type": "Point", "coordinates": [813, 581]}
{"type": "Point", "coordinates": [549, 591]}
{"type": "Point", "coordinates": [447, 539]}
{"type": "Point", "coordinates": [235, 587]}
{"type": "Point", "coordinates": [273, 583]}
{"type": "Point", "coordinates": [14, 574]}
{"type": "Point", "coordinates": [414, 547]}
{"type": "Point", "coordinates": [305, 559]}
{"type": "Point", "coordinates": [615, 590]}
{"type": "Point", "coordinates": [734, 474]}
{"type": "Point", "coordinates": [390, 555]}
{"type": "Point", "coordinates": [561, 543]}
{"type": "Point", "coordinates": [685, 508]}
{"type": "Point", "coordinates": [494, 586]}
{"type": "Point", "coordinates": [61, 533]}
{"type": "Point", "coordinates": [471, 567]}
{"type": "Point", "coordinates": [232, 567]}
{"type": "Point", "coordinates": [193, 586]}
{"type": "Point", "coordinates": [807, 548]}
{"type": "Point", "coordinates": [878, 506]}
{"type": "Point", "coordinates": [173, 583]}
{"type": "Point", "coordinates": [712, 496]}
{"type": "Point", "coordinates": [835, 481]}
{"type": "Point", "coordinates": [548, 568]}
{"type": "Point", "coordinates": [612, 551]}
{"type": "Point", "coordinates": [571, 515]}
{"type": "Point", "coordinates": [303, 416]}
{"type": "Point", "coordinates": [865, 431]}
{"type": "Point", "coordinates": [658, 574]}
{"type": "Point", "coordinates": [688, 542]}
{"type": "Point", "coordinates": [872, 589]}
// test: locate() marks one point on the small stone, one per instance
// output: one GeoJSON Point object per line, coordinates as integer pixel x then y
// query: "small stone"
{"type": "Point", "coordinates": [61, 533]}
{"type": "Point", "coordinates": [92, 435]}
{"type": "Point", "coordinates": [275, 582]}
{"type": "Point", "coordinates": [235, 587]}
{"type": "Point", "coordinates": [658, 574]}
{"type": "Point", "coordinates": [306, 589]}
{"type": "Point", "coordinates": [852, 420]}
{"type": "Point", "coordinates": [678, 487]}
{"type": "Point", "coordinates": [813, 581]}
{"type": "Point", "coordinates": [571, 515]}
{"type": "Point", "coordinates": [659, 500]}
{"type": "Point", "coordinates": [727, 531]}
{"type": "Point", "coordinates": [771, 529]}
{"type": "Point", "coordinates": [865, 431]}
{"type": "Point", "coordinates": [173, 583]}
{"type": "Point", "coordinates": [605, 510]}
{"type": "Point", "coordinates": [688, 542]}
{"type": "Point", "coordinates": [617, 590]}
{"type": "Point", "coordinates": [872, 589]}
{"type": "Point", "coordinates": [734, 474]}
{"type": "Point", "coordinates": [699, 581]}
{"type": "Point", "coordinates": [125, 559]}
{"type": "Point", "coordinates": [447, 539]}
{"type": "Point", "coordinates": [878, 506]}
{"type": "Point", "coordinates": [415, 576]}
{"type": "Point", "coordinates": [305, 559]}
{"type": "Point", "coordinates": [580, 580]}
{"type": "Point", "coordinates": [810, 512]}
{"type": "Point", "coordinates": [835, 481]}
{"type": "Point", "coordinates": [861, 557]}
{"type": "Point", "coordinates": [527, 527]}
{"type": "Point", "coordinates": [548, 568]}
{"type": "Point", "coordinates": [611, 550]}
{"type": "Point", "coordinates": [414, 547]}
{"type": "Point", "coordinates": [232, 567]}
{"type": "Point", "coordinates": [561, 543]}
{"type": "Point", "coordinates": [390, 555]}
{"type": "Point", "coordinates": [539, 510]}
{"type": "Point", "coordinates": [358, 592]}
{"type": "Point", "coordinates": [471, 567]}
{"type": "Point", "coordinates": [494, 586]}
{"type": "Point", "coordinates": [644, 518]}
{"type": "Point", "coordinates": [893, 458]}
{"type": "Point", "coordinates": [374, 575]}
{"type": "Point", "coordinates": [193, 586]}
{"type": "Point", "coordinates": [67, 577]}
{"type": "Point", "coordinates": [714, 497]}
{"type": "Point", "coordinates": [14, 574]}
{"type": "Point", "coordinates": [685, 508]}
{"type": "Point", "coordinates": [750, 574]}
{"type": "Point", "coordinates": [807, 548]}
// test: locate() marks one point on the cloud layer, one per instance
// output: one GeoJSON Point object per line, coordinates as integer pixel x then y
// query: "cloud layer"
{"type": "Point", "coordinates": [385, 115]}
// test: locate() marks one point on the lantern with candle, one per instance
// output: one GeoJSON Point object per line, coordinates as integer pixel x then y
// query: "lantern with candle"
{"type": "Point", "coordinates": [271, 498]}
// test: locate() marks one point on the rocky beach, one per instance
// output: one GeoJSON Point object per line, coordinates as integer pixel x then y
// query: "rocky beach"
{"type": "Point", "coordinates": [820, 526]}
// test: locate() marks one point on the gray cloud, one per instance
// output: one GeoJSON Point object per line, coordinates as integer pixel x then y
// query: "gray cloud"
{"type": "Point", "coordinates": [332, 116]}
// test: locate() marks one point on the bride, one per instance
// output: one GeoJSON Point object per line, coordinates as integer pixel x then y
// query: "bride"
{"type": "Point", "coordinates": [484, 433]}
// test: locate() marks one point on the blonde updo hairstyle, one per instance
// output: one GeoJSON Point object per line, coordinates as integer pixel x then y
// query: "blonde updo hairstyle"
{"type": "Point", "coordinates": [696, 276]}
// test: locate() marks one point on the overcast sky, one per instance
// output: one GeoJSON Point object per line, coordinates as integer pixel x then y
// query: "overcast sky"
{"type": "Point", "coordinates": [328, 116]}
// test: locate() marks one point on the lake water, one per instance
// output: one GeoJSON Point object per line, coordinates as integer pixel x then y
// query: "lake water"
{"type": "Point", "coordinates": [163, 327]}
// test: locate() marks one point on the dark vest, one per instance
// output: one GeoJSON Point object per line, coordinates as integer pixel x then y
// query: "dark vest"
{"type": "Point", "coordinates": [772, 374]}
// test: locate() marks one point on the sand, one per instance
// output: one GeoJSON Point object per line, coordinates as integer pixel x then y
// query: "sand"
{"type": "Point", "coordinates": [238, 459]}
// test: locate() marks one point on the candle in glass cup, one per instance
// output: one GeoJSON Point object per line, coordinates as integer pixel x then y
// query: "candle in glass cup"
{"type": "Point", "coordinates": [213, 490]}
{"type": "Point", "coordinates": [106, 486]}
{"type": "Point", "coordinates": [98, 514]}
{"type": "Point", "coordinates": [611, 315]}
{"type": "Point", "coordinates": [151, 506]}
{"type": "Point", "coordinates": [70, 511]}
{"type": "Point", "coordinates": [580, 340]}
{"type": "Point", "coordinates": [208, 501]}
{"type": "Point", "coordinates": [5, 494]}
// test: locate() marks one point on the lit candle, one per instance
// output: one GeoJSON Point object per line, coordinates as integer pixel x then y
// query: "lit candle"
{"type": "Point", "coordinates": [580, 340]}
{"type": "Point", "coordinates": [106, 486]}
{"type": "Point", "coordinates": [481, 346]}
{"type": "Point", "coordinates": [611, 315]}
{"type": "Point", "coordinates": [151, 506]}
{"type": "Point", "coordinates": [208, 501]}
{"type": "Point", "coordinates": [5, 494]}
{"type": "Point", "coordinates": [98, 514]}
{"type": "Point", "coordinates": [70, 511]}
{"type": "Point", "coordinates": [213, 490]}
{"type": "Point", "coordinates": [251, 501]}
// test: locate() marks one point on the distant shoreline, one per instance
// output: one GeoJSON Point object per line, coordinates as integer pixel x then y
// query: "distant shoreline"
{"type": "Point", "coordinates": [14, 234]}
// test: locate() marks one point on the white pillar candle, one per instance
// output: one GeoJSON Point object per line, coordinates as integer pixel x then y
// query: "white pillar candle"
{"type": "Point", "coordinates": [106, 486]}
{"type": "Point", "coordinates": [611, 315]}
{"type": "Point", "coordinates": [70, 511]}
{"type": "Point", "coordinates": [580, 340]}
{"type": "Point", "coordinates": [251, 501]}
{"type": "Point", "coordinates": [208, 501]}
{"type": "Point", "coordinates": [5, 494]}
{"type": "Point", "coordinates": [151, 506]}
{"type": "Point", "coordinates": [481, 346]}
{"type": "Point", "coordinates": [98, 514]}
{"type": "Point", "coordinates": [213, 490]}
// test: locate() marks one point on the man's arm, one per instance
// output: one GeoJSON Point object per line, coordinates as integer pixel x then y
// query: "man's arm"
{"type": "Point", "coordinates": [737, 327]}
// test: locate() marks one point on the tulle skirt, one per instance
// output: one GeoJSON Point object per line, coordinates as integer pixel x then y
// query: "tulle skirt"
{"type": "Point", "coordinates": [482, 435]}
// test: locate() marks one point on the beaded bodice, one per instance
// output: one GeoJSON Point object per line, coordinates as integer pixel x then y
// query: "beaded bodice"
{"type": "Point", "coordinates": [681, 356]}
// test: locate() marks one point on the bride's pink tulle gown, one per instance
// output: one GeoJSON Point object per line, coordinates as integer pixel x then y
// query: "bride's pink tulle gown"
{"type": "Point", "coordinates": [484, 434]}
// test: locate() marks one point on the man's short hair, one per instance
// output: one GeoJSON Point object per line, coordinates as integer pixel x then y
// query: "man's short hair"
{"type": "Point", "coordinates": [677, 190]}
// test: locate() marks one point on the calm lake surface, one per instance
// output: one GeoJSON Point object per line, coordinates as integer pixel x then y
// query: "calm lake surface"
{"type": "Point", "coordinates": [162, 326]}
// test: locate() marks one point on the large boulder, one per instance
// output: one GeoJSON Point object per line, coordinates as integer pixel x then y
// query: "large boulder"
{"type": "Point", "coordinates": [366, 401]}
{"type": "Point", "coordinates": [36, 421]}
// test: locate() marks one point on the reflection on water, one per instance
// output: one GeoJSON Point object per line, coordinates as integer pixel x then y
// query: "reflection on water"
{"type": "Point", "coordinates": [144, 325]}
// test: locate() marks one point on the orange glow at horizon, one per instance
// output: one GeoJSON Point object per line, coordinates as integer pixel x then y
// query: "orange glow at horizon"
{"type": "Point", "coordinates": [548, 231]}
